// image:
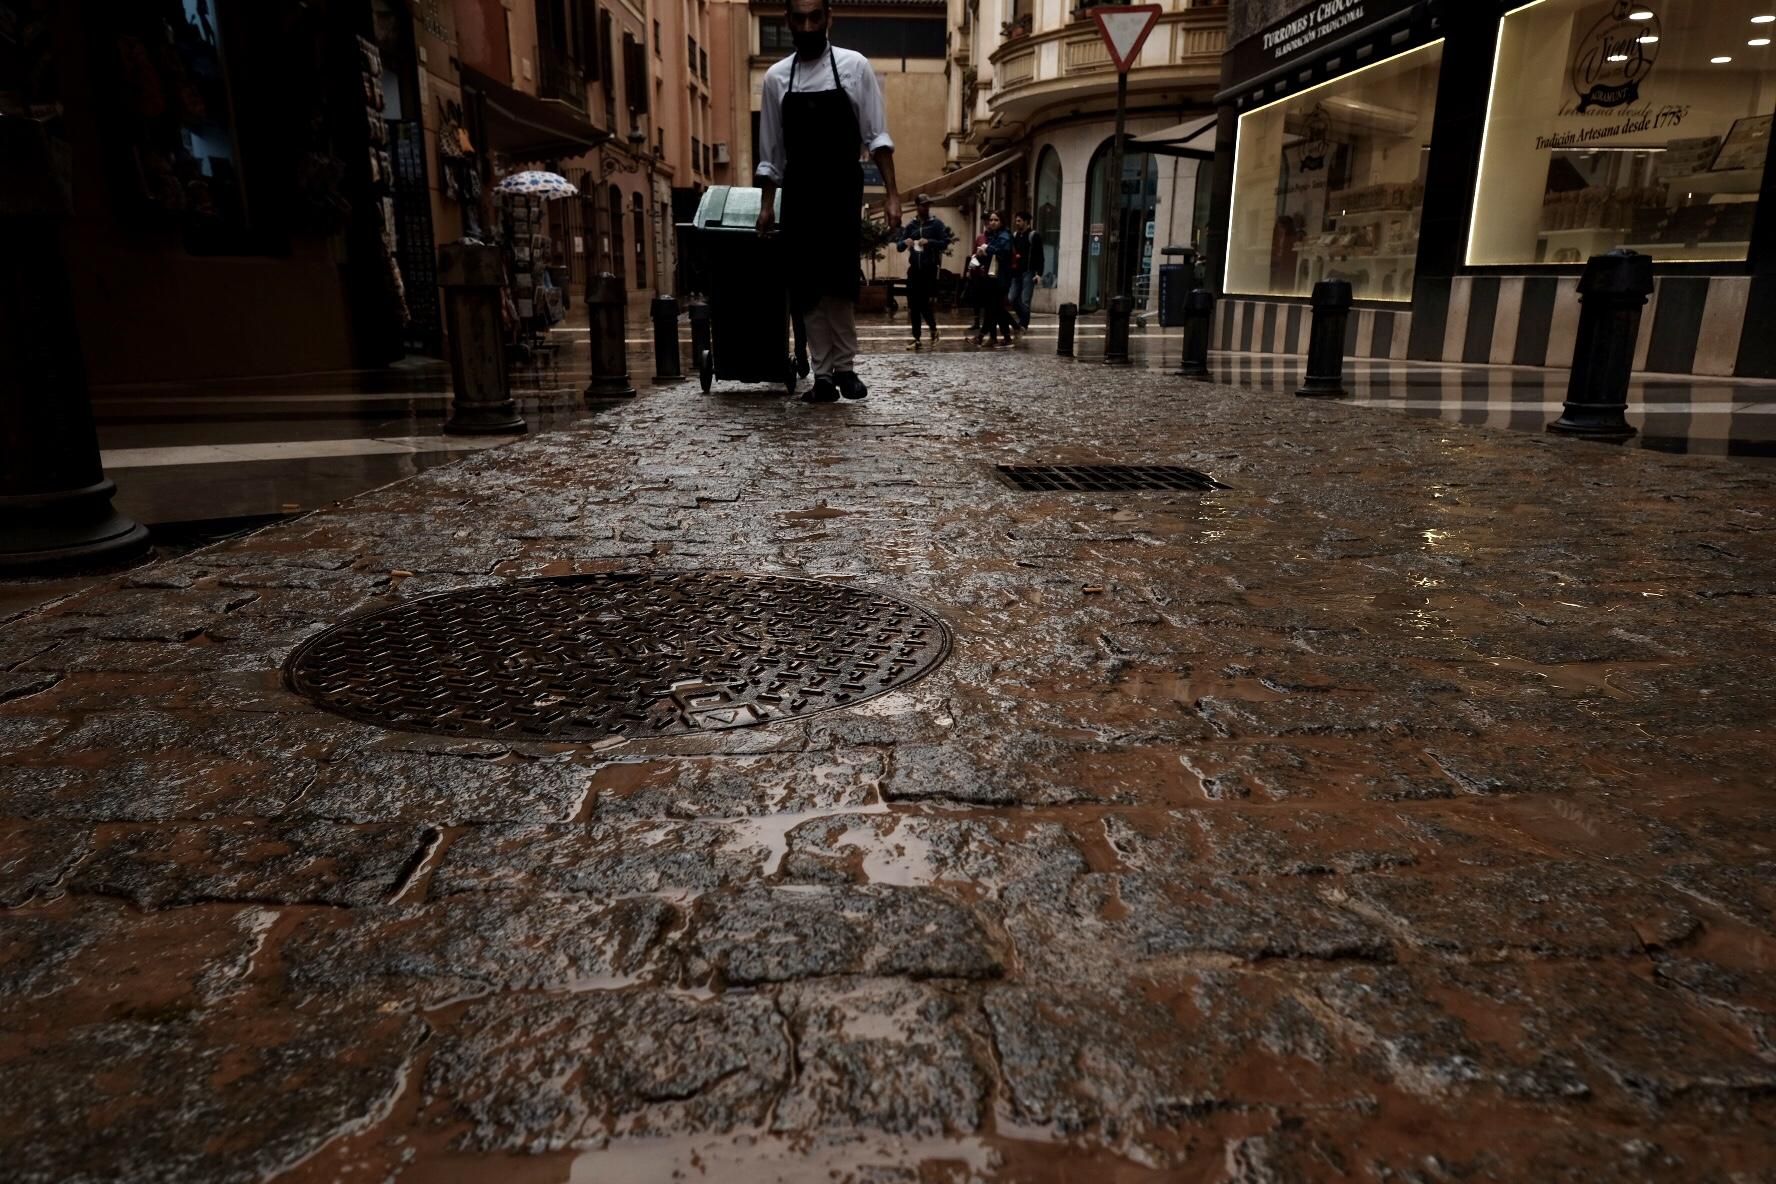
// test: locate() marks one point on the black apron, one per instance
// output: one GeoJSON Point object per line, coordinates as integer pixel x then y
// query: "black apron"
{"type": "Point", "coordinates": [822, 191]}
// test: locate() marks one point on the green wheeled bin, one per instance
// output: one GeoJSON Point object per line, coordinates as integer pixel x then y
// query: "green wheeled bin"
{"type": "Point", "coordinates": [743, 277]}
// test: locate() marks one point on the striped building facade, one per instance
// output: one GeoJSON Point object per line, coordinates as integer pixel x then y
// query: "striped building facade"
{"type": "Point", "coordinates": [1691, 325]}
{"type": "Point", "coordinates": [1434, 279]}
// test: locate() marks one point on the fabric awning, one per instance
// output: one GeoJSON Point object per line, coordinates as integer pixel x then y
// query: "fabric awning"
{"type": "Point", "coordinates": [1194, 138]}
{"type": "Point", "coordinates": [527, 127]}
{"type": "Point", "coordinates": [948, 184]}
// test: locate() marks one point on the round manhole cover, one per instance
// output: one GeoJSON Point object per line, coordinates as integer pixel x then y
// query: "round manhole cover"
{"type": "Point", "coordinates": [629, 654]}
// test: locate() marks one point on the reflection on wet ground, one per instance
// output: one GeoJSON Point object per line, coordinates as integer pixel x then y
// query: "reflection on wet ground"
{"type": "Point", "coordinates": [1398, 811]}
{"type": "Point", "coordinates": [1709, 417]}
{"type": "Point", "coordinates": [238, 450]}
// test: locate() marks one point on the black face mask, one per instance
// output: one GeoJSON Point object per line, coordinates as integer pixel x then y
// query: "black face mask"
{"type": "Point", "coordinates": [809, 44]}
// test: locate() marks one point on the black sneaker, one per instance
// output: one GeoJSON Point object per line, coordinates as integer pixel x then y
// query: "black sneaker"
{"type": "Point", "coordinates": [823, 391]}
{"type": "Point", "coordinates": [849, 386]}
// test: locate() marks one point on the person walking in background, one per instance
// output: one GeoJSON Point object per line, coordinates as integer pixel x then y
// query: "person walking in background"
{"type": "Point", "coordinates": [1026, 241]}
{"type": "Point", "coordinates": [974, 280]}
{"type": "Point", "coordinates": [1014, 285]}
{"type": "Point", "coordinates": [927, 238]}
{"type": "Point", "coordinates": [820, 108]}
{"type": "Point", "coordinates": [995, 272]}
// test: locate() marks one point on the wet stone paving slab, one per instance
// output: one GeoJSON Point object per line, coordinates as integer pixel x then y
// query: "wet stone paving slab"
{"type": "Point", "coordinates": [1400, 810]}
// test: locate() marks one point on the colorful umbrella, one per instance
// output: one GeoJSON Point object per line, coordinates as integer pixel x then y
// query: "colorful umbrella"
{"type": "Point", "coordinates": [537, 184]}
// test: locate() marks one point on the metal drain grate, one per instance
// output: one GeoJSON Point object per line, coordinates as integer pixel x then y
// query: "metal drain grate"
{"type": "Point", "coordinates": [629, 654]}
{"type": "Point", "coordinates": [1105, 478]}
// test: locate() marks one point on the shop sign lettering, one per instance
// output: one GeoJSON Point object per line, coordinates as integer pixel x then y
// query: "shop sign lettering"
{"type": "Point", "coordinates": [1629, 123]}
{"type": "Point", "coordinates": [1317, 22]}
{"type": "Point", "coordinates": [1310, 29]}
{"type": "Point", "coordinates": [1613, 59]}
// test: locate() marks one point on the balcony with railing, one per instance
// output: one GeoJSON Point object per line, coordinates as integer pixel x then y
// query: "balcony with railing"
{"type": "Point", "coordinates": [560, 79]}
{"type": "Point", "coordinates": [1070, 64]}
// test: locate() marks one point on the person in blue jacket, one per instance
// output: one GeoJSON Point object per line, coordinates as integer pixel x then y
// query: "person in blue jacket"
{"type": "Point", "coordinates": [927, 238]}
{"type": "Point", "coordinates": [995, 262]}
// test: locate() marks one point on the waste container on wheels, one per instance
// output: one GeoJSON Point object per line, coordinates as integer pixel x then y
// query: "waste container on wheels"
{"type": "Point", "coordinates": [743, 275]}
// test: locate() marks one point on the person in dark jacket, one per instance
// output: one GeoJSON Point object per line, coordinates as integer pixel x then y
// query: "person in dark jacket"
{"type": "Point", "coordinates": [927, 238]}
{"type": "Point", "coordinates": [971, 278]}
{"type": "Point", "coordinates": [1026, 243]}
{"type": "Point", "coordinates": [995, 272]}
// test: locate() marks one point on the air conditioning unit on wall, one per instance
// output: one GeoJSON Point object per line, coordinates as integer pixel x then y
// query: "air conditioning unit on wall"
{"type": "Point", "coordinates": [721, 153]}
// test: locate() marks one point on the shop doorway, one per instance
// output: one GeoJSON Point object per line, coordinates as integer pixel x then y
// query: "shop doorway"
{"type": "Point", "coordinates": [619, 265]}
{"type": "Point", "coordinates": [1134, 203]}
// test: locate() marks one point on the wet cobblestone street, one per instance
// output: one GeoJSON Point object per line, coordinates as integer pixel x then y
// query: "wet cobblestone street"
{"type": "Point", "coordinates": [1400, 812]}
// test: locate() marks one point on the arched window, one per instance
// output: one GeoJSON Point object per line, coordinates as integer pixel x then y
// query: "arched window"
{"type": "Point", "coordinates": [641, 259]}
{"type": "Point", "coordinates": [1133, 214]}
{"type": "Point", "coordinates": [1048, 212]}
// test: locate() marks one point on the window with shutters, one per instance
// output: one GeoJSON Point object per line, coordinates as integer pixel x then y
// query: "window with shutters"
{"type": "Point", "coordinates": [560, 75]}
{"type": "Point", "coordinates": [635, 74]}
{"type": "Point", "coordinates": [586, 27]}
{"type": "Point", "coordinates": [606, 64]}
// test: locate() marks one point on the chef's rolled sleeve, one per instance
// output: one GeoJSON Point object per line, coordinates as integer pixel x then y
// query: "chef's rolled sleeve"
{"type": "Point", "coordinates": [872, 118]}
{"type": "Point", "coordinates": [771, 162]}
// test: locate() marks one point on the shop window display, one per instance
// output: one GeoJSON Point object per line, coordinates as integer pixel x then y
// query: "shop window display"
{"type": "Point", "coordinates": [1624, 123]}
{"type": "Point", "coordinates": [176, 121]}
{"type": "Point", "coordinates": [1048, 211]}
{"type": "Point", "coordinates": [1136, 200]}
{"type": "Point", "coordinates": [1329, 183]}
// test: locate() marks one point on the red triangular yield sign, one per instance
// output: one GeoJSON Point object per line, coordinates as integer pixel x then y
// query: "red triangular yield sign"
{"type": "Point", "coordinates": [1124, 28]}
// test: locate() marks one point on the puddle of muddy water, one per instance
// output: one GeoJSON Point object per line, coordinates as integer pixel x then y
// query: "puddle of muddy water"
{"type": "Point", "coordinates": [763, 1160]}
{"type": "Point", "coordinates": [771, 831]}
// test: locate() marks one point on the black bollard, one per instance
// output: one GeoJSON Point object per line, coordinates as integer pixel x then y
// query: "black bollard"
{"type": "Point", "coordinates": [1199, 318]}
{"type": "Point", "coordinates": [665, 314]}
{"type": "Point", "coordinates": [699, 316]}
{"type": "Point", "coordinates": [1116, 331]}
{"type": "Point", "coordinates": [55, 500]}
{"type": "Point", "coordinates": [481, 404]}
{"type": "Point", "coordinates": [1064, 343]}
{"type": "Point", "coordinates": [1612, 293]}
{"type": "Point", "coordinates": [1325, 342]}
{"type": "Point", "coordinates": [606, 302]}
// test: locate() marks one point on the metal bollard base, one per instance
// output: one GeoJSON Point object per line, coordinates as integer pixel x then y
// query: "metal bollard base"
{"type": "Point", "coordinates": [1322, 388]}
{"type": "Point", "coordinates": [1591, 423]}
{"type": "Point", "coordinates": [609, 388]}
{"type": "Point", "coordinates": [1116, 331]}
{"type": "Point", "coordinates": [486, 421]}
{"type": "Point", "coordinates": [664, 314]}
{"type": "Point", "coordinates": [1069, 314]}
{"type": "Point", "coordinates": [64, 530]}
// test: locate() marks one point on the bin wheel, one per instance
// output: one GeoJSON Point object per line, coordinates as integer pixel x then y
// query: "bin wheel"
{"type": "Point", "coordinates": [706, 370]}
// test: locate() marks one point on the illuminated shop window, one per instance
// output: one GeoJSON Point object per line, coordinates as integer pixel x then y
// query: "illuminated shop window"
{"type": "Point", "coordinates": [1615, 123]}
{"type": "Point", "coordinates": [1329, 183]}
